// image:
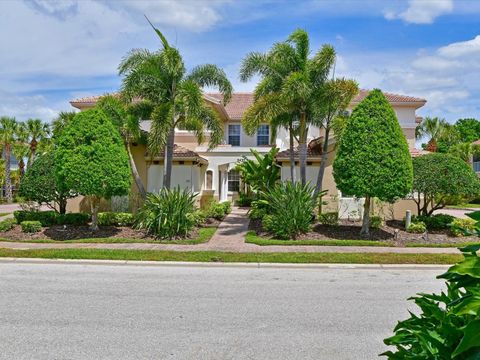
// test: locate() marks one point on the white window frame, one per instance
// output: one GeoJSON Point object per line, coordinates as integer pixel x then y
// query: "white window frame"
{"type": "Point", "coordinates": [229, 180]}
{"type": "Point", "coordinates": [263, 135]}
{"type": "Point", "coordinates": [239, 134]}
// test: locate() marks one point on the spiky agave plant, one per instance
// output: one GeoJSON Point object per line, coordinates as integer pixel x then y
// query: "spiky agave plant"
{"type": "Point", "coordinates": [168, 214]}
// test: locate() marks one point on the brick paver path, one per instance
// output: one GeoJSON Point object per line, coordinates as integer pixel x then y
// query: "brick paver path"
{"type": "Point", "coordinates": [230, 236]}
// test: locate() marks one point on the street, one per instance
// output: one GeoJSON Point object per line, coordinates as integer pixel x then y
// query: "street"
{"type": "Point", "coordinates": [73, 311]}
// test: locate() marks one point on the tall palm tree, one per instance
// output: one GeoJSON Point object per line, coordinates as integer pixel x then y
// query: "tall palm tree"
{"type": "Point", "coordinates": [8, 129]}
{"type": "Point", "coordinates": [177, 100]}
{"type": "Point", "coordinates": [126, 119]}
{"type": "Point", "coordinates": [433, 129]}
{"type": "Point", "coordinates": [292, 81]}
{"type": "Point", "coordinates": [37, 131]}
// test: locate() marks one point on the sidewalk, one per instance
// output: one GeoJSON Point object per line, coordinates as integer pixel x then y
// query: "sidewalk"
{"type": "Point", "coordinates": [230, 237]}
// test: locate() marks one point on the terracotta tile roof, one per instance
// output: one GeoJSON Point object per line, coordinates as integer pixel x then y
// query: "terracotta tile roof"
{"type": "Point", "coordinates": [179, 153]}
{"type": "Point", "coordinates": [393, 98]}
{"type": "Point", "coordinates": [237, 104]}
{"type": "Point", "coordinates": [476, 142]}
{"type": "Point", "coordinates": [240, 101]}
{"type": "Point", "coordinates": [416, 152]}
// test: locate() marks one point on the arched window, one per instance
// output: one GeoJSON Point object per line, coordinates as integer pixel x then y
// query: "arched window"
{"type": "Point", "coordinates": [208, 180]}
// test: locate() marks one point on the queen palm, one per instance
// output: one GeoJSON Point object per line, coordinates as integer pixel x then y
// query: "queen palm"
{"type": "Point", "coordinates": [291, 83]}
{"type": "Point", "coordinates": [161, 78]}
{"type": "Point", "coordinates": [8, 129]}
{"type": "Point", "coordinates": [21, 148]}
{"type": "Point", "coordinates": [37, 131]}
{"type": "Point", "coordinates": [433, 129]}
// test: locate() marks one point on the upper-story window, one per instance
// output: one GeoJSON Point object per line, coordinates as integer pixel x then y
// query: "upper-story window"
{"type": "Point", "coordinates": [263, 135]}
{"type": "Point", "coordinates": [234, 135]}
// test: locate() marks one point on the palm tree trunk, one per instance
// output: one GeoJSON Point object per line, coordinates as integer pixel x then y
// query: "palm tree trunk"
{"type": "Point", "coordinates": [323, 163]}
{"type": "Point", "coordinates": [366, 217]}
{"type": "Point", "coordinates": [21, 167]}
{"type": "Point", "coordinates": [8, 180]}
{"type": "Point", "coordinates": [167, 177]}
{"type": "Point", "coordinates": [292, 155]}
{"type": "Point", "coordinates": [302, 148]}
{"type": "Point", "coordinates": [136, 176]}
{"type": "Point", "coordinates": [33, 149]}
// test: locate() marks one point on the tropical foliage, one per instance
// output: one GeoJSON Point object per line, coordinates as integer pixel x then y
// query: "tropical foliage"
{"type": "Point", "coordinates": [447, 325]}
{"type": "Point", "coordinates": [438, 177]}
{"type": "Point", "coordinates": [373, 159]}
{"type": "Point", "coordinates": [8, 129]}
{"type": "Point", "coordinates": [91, 159]}
{"type": "Point", "coordinates": [262, 173]}
{"type": "Point", "coordinates": [176, 97]}
{"type": "Point", "coordinates": [168, 214]}
{"type": "Point", "coordinates": [434, 129]}
{"type": "Point", "coordinates": [290, 209]}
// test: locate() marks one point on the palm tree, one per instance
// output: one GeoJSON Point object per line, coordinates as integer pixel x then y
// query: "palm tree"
{"type": "Point", "coordinates": [291, 84]}
{"type": "Point", "coordinates": [126, 118]}
{"type": "Point", "coordinates": [8, 129]}
{"type": "Point", "coordinates": [177, 100]}
{"type": "Point", "coordinates": [37, 131]}
{"type": "Point", "coordinates": [21, 148]}
{"type": "Point", "coordinates": [434, 129]}
{"type": "Point", "coordinates": [465, 151]}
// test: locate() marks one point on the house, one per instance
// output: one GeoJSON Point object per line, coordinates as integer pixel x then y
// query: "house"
{"type": "Point", "coordinates": [212, 174]}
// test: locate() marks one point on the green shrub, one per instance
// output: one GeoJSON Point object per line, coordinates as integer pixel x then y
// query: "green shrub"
{"type": "Point", "coordinates": [291, 207]}
{"type": "Point", "coordinates": [168, 214]}
{"type": "Point", "coordinates": [115, 219]}
{"type": "Point", "coordinates": [244, 199]}
{"type": "Point", "coordinates": [7, 224]}
{"type": "Point", "coordinates": [376, 222]}
{"type": "Point", "coordinates": [76, 219]}
{"type": "Point", "coordinates": [267, 223]}
{"type": "Point", "coordinates": [217, 210]}
{"type": "Point", "coordinates": [435, 222]}
{"type": "Point", "coordinates": [446, 325]}
{"type": "Point", "coordinates": [462, 227]}
{"type": "Point", "coordinates": [31, 226]}
{"type": "Point", "coordinates": [46, 218]}
{"type": "Point", "coordinates": [199, 217]}
{"type": "Point", "coordinates": [417, 228]}
{"type": "Point", "coordinates": [258, 210]}
{"type": "Point", "coordinates": [328, 218]}
{"type": "Point", "coordinates": [227, 207]}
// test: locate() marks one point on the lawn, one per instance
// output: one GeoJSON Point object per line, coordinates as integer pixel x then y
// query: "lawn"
{"type": "Point", "coordinates": [464, 206]}
{"type": "Point", "coordinates": [252, 238]}
{"type": "Point", "coordinates": [204, 234]}
{"type": "Point", "coordinates": [228, 257]}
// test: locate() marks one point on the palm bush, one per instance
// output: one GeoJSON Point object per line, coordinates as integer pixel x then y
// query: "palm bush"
{"type": "Point", "coordinates": [448, 324]}
{"type": "Point", "coordinates": [168, 214]}
{"type": "Point", "coordinates": [290, 209]}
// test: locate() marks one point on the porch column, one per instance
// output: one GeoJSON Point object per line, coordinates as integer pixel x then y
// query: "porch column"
{"type": "Point", "coordinates": [223, 195]}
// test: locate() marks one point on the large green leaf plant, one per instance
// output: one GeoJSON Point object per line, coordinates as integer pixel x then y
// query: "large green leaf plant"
{"type": "Point", "coordinates": [448, 324]}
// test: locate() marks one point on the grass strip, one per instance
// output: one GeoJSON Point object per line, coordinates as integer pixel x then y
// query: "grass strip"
{"type": "Point", "coordinates": [204, 234]}
{"type": "Point", "coordinates": [253, 238]}
{"type": "Point", "coordinates": [215, 256]}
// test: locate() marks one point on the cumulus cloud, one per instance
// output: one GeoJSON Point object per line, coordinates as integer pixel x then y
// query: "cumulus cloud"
{"type": "Point", "coordinates": [421, 11]}
{"type": "Point", "coordinates": [461, 49]}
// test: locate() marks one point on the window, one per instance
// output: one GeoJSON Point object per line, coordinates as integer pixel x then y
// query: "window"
{"type": "Point", "coordinates": [209, 179]}
{"type": "Point", "coordinates": [263, 135]}
{"type": "Point", "coordinates": [234, 135]}
{"type": "Point", "coordinates": [233, 180]}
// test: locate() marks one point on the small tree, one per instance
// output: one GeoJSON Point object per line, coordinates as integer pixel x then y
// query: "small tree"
{"type": "Point", "coordinates": [40, 184]}
{"type": "Point", "coordinates": [91, 159]}
{"type": "Point", "coordinates": [439, 176]}
{"type": "Point", "coordinates": [373, 159]}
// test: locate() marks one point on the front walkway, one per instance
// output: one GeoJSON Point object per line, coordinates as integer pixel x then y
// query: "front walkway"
{"type": "Point", "coordinates": [230, 237]}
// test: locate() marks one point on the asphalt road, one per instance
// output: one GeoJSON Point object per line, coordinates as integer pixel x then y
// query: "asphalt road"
{"type": "Point", "coordinates": [54, 311]}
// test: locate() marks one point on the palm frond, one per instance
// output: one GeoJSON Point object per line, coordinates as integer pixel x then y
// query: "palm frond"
{"type": "Point", "coordinates": [162, 122]}
{"type": "Point", "coordinates": [321, 64]}
{"type": "Point", "coordinates": [254, 63]}
{"type": "Point", "coordinates": [209, 75]}
{"type": "Point", "coordinates": [302, 46]}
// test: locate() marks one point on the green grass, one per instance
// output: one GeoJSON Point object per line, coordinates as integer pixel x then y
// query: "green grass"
{"type": "Point", "coordinates": [4, 214]}
{"type": "Point", "coordinates": [212, 256]}
{"type": "Point", "coordinates": [464, 206]}
{"type": "Point", "coordinates": [204, 234]}
{"type": "Point", "coordinates": [252, 238]}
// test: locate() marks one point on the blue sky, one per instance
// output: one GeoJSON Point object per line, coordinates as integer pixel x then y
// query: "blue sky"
{"type": "Point", "coordinates": [54, 51]}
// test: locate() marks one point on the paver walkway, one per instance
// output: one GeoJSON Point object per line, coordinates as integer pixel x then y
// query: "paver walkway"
{"type": "Point", "coordinates": [230, 236]}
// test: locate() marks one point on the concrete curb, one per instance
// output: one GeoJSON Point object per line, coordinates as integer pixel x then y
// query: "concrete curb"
{"type": "Point", "coordinates": [223, 265]}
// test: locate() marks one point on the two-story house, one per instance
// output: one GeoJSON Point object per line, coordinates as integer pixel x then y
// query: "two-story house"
{"type": "Point", "coordinates": [211, 173]}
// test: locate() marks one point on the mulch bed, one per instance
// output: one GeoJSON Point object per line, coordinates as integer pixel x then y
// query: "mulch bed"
{"type": "Point", "coordinates": [392, 232]}
{"type": "Point", "coordinates": [59, 233]}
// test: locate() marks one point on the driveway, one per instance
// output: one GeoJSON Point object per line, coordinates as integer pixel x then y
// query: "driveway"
{"type": "Point", "coordinates": [58, 311]}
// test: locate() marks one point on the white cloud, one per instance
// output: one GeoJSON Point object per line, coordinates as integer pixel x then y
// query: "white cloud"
{"type": "Point", "coordinates": [421, 11]}
{"type": "Point", "coordinates": [25, 107]}
{"type": "Point", "coordinates": [461, 49]}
